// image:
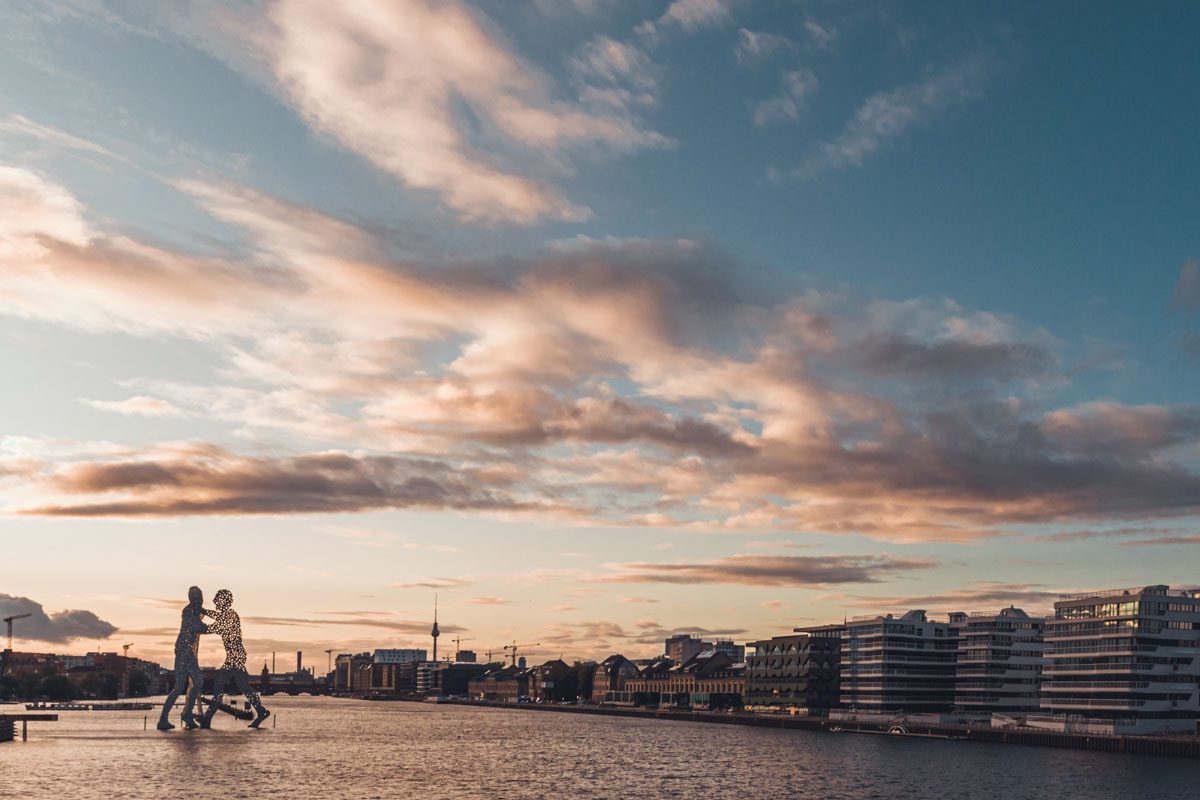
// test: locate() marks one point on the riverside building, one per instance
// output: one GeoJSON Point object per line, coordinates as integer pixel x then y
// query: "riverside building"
{"type": "Point", "coordinates": [799, 672]}
{"type": "Point", "coordinates": [892, 665]}
{"type": "Point", "coordinates": [1124, 661]}
{"type": "Point", "coordinates": [999, 663]}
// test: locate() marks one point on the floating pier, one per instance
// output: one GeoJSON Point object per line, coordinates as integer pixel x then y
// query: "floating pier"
{"type": "Point", "coordinates": [8, 724]}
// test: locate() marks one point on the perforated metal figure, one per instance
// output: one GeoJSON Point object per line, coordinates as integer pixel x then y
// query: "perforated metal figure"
{"type": "Point", "coordinates": [187, 666]}
{"type": "Point", "coordinates": [228, 624]}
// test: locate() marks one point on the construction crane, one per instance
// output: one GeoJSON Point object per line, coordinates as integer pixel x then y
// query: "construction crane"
{"type": "Point", "coordinates": [458, 640]}
{"type": "Point", "coordinates": [125, 648]}
{"type": "Point", "coordinates": [329, 653]}
{"type": "Point", "coordinates": [513, 647]}
{"type": "Point", "coordinates": [490, 653]}
{"type": "Point", "coordinates": [9, 621]}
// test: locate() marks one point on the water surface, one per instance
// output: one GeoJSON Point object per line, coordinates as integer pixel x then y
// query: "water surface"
{"type": "Point", "coordinates": [328, 747]}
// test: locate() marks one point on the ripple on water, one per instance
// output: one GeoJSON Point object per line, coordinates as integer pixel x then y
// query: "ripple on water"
{"type": "Point", "coordinates": [327, 747]}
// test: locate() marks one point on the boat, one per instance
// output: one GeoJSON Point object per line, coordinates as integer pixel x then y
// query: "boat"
{"type": "Point", "coordinates": [124, 705]}
{"type": "Point", "coordinates": [57, 707]}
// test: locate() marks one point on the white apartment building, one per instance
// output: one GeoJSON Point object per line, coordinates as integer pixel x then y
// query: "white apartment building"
{"type": "Point", "coordinates": [1124, 660]}
{"type": "Point", "coordinates": [999, 663]}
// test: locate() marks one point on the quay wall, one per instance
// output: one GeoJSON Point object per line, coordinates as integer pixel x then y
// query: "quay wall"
{"type": "Point", "coordinates": [1178, 746]}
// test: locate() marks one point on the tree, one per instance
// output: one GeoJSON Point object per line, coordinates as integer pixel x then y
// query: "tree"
{"type": "Point", "coordinates": [58, 688]}
{"type": "Point", "coordinates": [139, 682]}
{"type": "Point", "coordinates": [101, 685]}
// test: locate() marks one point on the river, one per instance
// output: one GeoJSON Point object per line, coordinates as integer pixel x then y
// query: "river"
{"type": "Point", "coordinates": [330, 748]}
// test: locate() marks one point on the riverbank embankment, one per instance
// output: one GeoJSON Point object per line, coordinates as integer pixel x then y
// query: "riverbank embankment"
{"type": "Point", "coordinates": [1176, 746]}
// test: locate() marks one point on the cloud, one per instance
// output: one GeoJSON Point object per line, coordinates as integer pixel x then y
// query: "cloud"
{"type": "Point", "coordinates": [753, 46]}
{"type": "Point", "coordinates": [138, 406]}
{"type": "Point", "coordinates": [887, 116]}
{"type": "Point", "coordinates": [488, 600]}
{"type": "Point", "coordinates": [391, 625]}
{"type": "Point", "coordinates": [1032, 596]}
{"type": "Point", "coordinates": [901, 354]}
{"type": "Point", "coordinates": [435, 583]}
{"type": "Point", "coordinates": [385, 79]}
{"type": "Point", "coordinates": [798, 85]}
{"type": "Point", "coordinates": [212, 481]}
{"type": "Point", "coordinates": [58, 627]}
{"type": "Point", "coordinates": [1187, 288]}
{"type": "Point", "coordinates": [1105, 427]}
{"type": "Point", "coordinates": [18, 125]}
{"type": "Point", "coordinates": [690, 16]}
{"type": "Point", "coordinates": [820, 36]}
{"type": "Point", "coordinates": [32, 207]}
{"type": "Point", "coordinates": [636, 383]}
{"type": "Point", "coordinates": [1163, 540]}
{"type": "Point", "coordinates": [770, 570]}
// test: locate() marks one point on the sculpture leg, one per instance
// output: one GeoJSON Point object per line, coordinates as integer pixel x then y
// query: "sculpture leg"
{"type": "Point", "coordinates": [180, 680]}
{"type": "Point", "coordinates": [220, 680]}
{"type": "Point", "coordinates": [243, 684]}
{"type": "Point", "coordinates": [197, 683]}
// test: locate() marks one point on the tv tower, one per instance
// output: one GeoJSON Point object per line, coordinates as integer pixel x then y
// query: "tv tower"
{"type": "Point", "coordinates": [435, 633]}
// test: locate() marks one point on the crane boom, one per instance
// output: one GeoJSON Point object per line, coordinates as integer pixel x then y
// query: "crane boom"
{"type": "Point", "coordinates": [514, 647]}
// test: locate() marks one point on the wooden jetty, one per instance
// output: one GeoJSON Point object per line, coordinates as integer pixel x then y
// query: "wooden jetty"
{"type": "Point", "coordinates": [8, 724]}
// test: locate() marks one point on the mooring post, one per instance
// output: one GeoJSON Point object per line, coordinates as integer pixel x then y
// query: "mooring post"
{"type": "Point", "coordinates": [24, 730]}
{"type": "Point", "coordinates": [144, 722]}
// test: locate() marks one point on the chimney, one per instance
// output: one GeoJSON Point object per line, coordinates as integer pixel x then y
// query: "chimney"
{"type": "Point", "coordinates": [299, 661]}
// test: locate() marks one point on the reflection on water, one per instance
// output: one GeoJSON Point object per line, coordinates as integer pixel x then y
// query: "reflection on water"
{"type": "Point", "coordinates": [326, 747]}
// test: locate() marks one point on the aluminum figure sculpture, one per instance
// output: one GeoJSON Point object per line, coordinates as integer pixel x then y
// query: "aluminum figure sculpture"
{"type": "Point", "coordinates": [228, 624]}
{"type": "Point", "coordinates": [187, 666]}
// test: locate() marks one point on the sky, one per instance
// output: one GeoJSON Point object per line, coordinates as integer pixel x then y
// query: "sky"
{"type": "Point", "coordinates": [599, 319]}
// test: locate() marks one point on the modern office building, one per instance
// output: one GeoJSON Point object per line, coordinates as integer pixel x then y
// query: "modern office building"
{"type": "Point", "coordinates": [348, 672]}
{"type": "Point", "coordinates": [899, 664]}
{"type": "Point", "coordinates": [736, 652]}
{"type": "Point", "coordinates": [682, 646]}
{"type": "Point", "coordinates": [1127, 658]}
{"type": "Point", "coordinates": [999, 663]}
{"type": "Point", "coordinates": [400, 656]}
{"type": "Point", "coordinates": [800, 671]}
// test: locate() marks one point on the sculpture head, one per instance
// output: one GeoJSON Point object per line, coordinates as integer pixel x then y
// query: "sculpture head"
{"type": "Point", "coordinates": [195, 596]}
{"type": "Point", "coordinates": [223, 599]}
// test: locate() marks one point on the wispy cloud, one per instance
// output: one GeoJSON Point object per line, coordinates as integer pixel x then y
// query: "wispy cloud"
{"type": "Point", "coordinates": [17, 125]}
{"type": "Point", "coordinates": [690, 15]}
{"type": "Point", "coordinates": [770, 570]}
{"type": "Point", "coordinates": [138, 406]}
{"type": "Point", "coordinates": [754, 46]}
{"type": "Point", "coordinates": [798, 85]}
{"type": "Point", "coordinates": [343, 68]}
{"type": "Point", "coordinates": [434, 583]}
{"type": "Point", "coordinates": [991, 594]}
{"type": "Point", "coordinates": [887, 116]}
